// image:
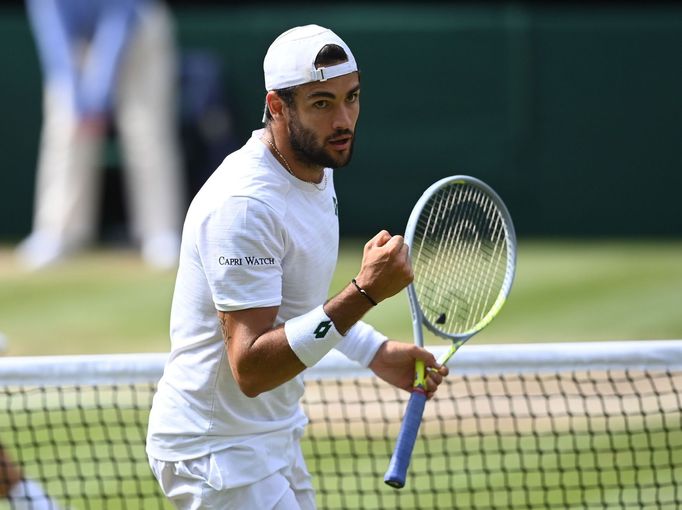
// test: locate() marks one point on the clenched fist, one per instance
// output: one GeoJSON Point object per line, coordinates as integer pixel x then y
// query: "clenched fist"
{"type": "Point", "coordinates": [386, 268]}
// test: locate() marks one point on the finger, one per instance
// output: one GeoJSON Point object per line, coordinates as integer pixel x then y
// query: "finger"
{"type": "Point", "coordinates": [429, 359]}
{"type": "Point", "coordinates": [405, 251]}
{"type": "Point", "coordinates": [380, 239]}
{"type": "Point", "coordinates": [443, 370]}
{"type": "Point", "coordinates": [396, 243]}
{"type": "Point", "coordinates": [433, 380]}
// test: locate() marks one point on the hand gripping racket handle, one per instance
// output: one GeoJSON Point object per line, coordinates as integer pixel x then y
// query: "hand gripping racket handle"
{"type": "Point", "coordinates": [397, 469]}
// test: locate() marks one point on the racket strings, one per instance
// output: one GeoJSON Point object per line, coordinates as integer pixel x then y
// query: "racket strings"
{"type": "Point", "coordinates": [460, 257]}
{"type": "Point", "coordinates": [482, 271]}
{"type": "Point", "coordinates": [494, 248]}
{"type": "Point", "coordinates": [467, 248]}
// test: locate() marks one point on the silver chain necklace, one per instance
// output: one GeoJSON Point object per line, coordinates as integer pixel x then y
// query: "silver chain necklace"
{"type": "Point", "coordinates": [286, 165]}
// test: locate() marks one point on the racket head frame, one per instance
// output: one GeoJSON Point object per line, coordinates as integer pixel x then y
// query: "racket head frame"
{"type": "Point", "coordinates": [418, 317]}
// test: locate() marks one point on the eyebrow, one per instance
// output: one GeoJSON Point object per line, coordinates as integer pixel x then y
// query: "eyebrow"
{"type": "Point", "coordinates": [329, 95]}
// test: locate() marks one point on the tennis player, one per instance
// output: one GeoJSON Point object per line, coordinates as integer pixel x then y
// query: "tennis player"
{"type": "Point", "coordinates": [250, 310]}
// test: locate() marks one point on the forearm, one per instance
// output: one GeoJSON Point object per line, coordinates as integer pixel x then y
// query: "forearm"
{"type": "Point", "coordinates": [100, 74]}
{"type": "Point", "coordinates": [10, 474]}
{"type": "Point", "coordinates": [263, 357]}
{"type": "Point", "coordinates": [269, 363]}
{"type": "Point", "coordinates": [259, 355]}
{"type": "Point", "coordinates": [347, 308]}
{"type": "Point", "coordinates": [53, 43]}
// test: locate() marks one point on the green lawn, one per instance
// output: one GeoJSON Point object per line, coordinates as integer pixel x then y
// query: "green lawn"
{"type": "Point", "coordinates": [108, 301]}
{"type": "Point", "coordinates": [93, 457]}
{"type": "Point", "coordinates": [525, 471]}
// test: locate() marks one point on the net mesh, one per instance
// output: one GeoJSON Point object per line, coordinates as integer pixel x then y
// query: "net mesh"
{"type": "Point", "coordinates": [592, 432]}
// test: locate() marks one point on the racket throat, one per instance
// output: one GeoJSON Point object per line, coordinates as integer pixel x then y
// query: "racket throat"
{"type": "Point", "coordinates": [453, 349]}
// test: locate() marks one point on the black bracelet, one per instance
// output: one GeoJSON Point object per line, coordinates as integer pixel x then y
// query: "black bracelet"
{"type": "Point", "coordinates": [363, 292]}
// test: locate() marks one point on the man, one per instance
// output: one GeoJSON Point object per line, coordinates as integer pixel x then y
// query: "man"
{"type": "Point", "coordinates": [249, 311]}
{"type": "Point", "coordinates": [23, 492]}
{"type": "Point", "coordinates": [105, 62]}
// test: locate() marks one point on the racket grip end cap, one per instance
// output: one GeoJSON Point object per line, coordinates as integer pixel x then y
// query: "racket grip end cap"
{"type": "Point", "coordinates": [396, 484]}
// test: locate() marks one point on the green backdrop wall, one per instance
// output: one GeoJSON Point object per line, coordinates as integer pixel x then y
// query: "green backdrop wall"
{"type": "Point", "coordinates": [573, 113]}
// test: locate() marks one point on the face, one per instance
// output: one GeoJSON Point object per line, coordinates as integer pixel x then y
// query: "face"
{"type": "Point", "coordinates": [322, 121]}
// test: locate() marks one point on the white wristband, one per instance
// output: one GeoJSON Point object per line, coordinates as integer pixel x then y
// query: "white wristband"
{"type": "Point", "coordinates": [311, 335]}
{"type": "Point", "coordinates": [361, 343]}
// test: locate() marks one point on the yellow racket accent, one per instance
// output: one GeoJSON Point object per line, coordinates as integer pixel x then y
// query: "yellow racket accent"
{"type": "Point", "coordinates": [419, 375]}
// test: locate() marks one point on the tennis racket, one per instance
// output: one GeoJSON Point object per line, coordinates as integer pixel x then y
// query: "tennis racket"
{"type": "Point", "coordinates": [463, 254]}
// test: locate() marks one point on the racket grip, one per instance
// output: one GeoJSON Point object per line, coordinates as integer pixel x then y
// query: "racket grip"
{"type": "Point", "coordinates": [397, 469]}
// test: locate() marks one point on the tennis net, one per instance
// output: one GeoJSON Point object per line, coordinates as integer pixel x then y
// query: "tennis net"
{"type": "Point", "coordinates": [532, 426]}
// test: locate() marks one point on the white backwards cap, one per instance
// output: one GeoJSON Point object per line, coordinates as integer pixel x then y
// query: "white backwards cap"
{"type": "Point", "coordinates": [290, 60]}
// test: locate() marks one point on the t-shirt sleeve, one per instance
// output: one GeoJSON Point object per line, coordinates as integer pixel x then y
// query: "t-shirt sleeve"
{"type": "Point", "coordinates": [241, 246]}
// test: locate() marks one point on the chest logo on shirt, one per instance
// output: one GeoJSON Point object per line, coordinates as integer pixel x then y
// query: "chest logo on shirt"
{"type": "Point", "coordinates": [246, 261]}
{"type": "Point", "coordinates": [336, 206]}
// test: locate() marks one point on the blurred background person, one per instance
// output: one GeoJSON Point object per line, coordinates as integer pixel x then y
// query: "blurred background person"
{"type": "Point", "coordinates": [23, 493]}
{"type": "Point", "coordinates": [105, 63]}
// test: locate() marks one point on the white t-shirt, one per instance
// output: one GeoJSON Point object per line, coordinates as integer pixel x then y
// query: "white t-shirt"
{"type": "Point", "coordinates": [254, 236]}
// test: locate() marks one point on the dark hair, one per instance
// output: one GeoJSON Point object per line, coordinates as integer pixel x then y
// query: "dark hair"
{"type": "Point", "coordinates": [330, 54]}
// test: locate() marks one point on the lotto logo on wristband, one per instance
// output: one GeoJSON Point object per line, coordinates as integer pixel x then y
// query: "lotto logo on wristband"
{"type": "Point", "coordinates": [311, 335]}
{"type": "Point", "coordinates": [322, 329]}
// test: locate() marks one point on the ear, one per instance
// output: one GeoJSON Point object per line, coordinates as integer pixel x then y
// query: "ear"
{"type": "Point", "coordinates": [275, 104]}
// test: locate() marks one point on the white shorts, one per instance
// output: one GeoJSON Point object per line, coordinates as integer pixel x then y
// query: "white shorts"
{"type": "Point", "coordinates": [197, 484]}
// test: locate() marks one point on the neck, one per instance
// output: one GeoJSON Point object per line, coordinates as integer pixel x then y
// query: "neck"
{"type": "Point", "coordinates": [280, 148]}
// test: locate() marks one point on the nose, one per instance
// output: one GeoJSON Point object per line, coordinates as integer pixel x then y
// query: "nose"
{"type": "Point", "coordinates": [344, 118]}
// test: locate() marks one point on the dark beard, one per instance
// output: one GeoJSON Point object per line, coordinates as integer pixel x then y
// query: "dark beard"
{"type": "Point", "coordinates": [306, 149]}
